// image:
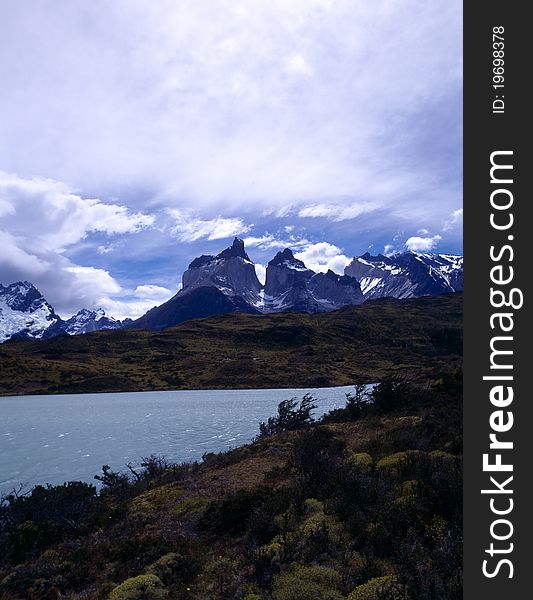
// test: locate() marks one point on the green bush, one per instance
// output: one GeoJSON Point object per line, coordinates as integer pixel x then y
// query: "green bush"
{"type": "Point", "coordinates": [173, 568]}
{"type": "Point", "coordinates": [379, 588]}
{"type": "Point", "coordinates": [142, 587]}
{"type": "Point", "coordinates": [301, 582]}
{"type": "Point", "coordinates": [361, 462]}
{"type": "Point", "coordinates": [316, 456]}
{"type": "Point", "coordinates": [291, 416]}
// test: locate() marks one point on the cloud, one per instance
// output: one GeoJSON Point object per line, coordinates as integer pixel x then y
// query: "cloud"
{"type": "Point", "coordinates": [337, 212]}
{"type": "Point", "coordinates": [134, 304]}
{"type": "Point", "coordinates": [189, 228]}
{"type": "Point", "coordinates": [6, 208]}
{"type": "Point", "coordinates": [48, 215]}
{"type": "Point", "coordinates": [298, 65]}
{"type": "Point", "coordinates": [153, 292]}
{"type": "Point", "coordinates": [270, 241]}
{"type": "Point", "coordinates": [323, 256]}
{"type": "Point", "coordinates": [204, 103]}
{"type": "Point", "coordinates": [260, 271]}
{"type": "Point", "coordinates": [422, 244]}
{"type": "Point", "coordinates": [454, 219]}
{"type": "Point", "coordinates": [46, 219]}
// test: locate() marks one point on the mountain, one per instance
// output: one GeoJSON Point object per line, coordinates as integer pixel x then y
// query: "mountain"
{"type": "Point", "coordinates": [231, 271]}
{"type": "Point", "coordinates": [24, 312]}
{"type": "Point", "coordinates": [86, 321]}
{"type": "Point", "coordinates": [407, 274]}
{"type": "Point", "coordinates": [227, 283]}
{"type": "Point", "coordinates": [290, 285]}
{"type": "Point", "coordinates": [211, 285]}
{"type": "Point", "coordinates": [195, 303]}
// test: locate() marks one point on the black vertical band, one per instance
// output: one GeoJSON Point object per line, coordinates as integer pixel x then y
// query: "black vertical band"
{"type": "Point", "coordinates": [497, 124]}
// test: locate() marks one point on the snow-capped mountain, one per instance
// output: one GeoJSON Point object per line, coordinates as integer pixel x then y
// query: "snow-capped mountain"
{"type": "Point", "coordinates": [231, 271]}
{"type": "Point", "coordinates": [85, 321]}
{"type": "Point", "coordinates": [211, 285]}
{"type": "Point", "coordinates": [407, 274]}
{"type": "Point", "coordinates": [24, 312]}
{"type": "Point", "coordinates": [227, 282]}
{"type": "Point", "coordinates": [290, 285]}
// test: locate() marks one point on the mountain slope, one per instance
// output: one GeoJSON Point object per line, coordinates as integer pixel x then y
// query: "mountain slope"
{"type": "Point", "coordinates": [407, 275]}
{"type": "Point", "coordinates": [196, 303]}
{"type": "Point", "coordinates": [290, 285]}
{"type": "Point", "coordinates": [24, 312]}
{"type": "Point", "coordinates": [246, 351]}
{"type": "Point", "coordinates": [227, 283]}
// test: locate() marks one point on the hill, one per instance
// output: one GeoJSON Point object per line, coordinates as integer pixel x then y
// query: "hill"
{"type": "Point", "coordinates": [357, 343]}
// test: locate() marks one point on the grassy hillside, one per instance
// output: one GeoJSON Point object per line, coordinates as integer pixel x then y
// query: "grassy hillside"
{"type": "Point", "coordinates": [363, 506]}
{"type": "Point", "coordinates": [353, 344]}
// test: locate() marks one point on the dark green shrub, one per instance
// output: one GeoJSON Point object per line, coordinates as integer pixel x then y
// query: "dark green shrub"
{"type": "Point", "coordinates": [317, 455]}
{"type": "Point", "coordinates": [142, 587]}
{"type": "Point", "coordinates": [291, 416]}
{"type": "Point", "coordinates": [301, 582]}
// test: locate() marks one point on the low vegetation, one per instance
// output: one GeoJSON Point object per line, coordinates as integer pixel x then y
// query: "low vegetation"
{"type": "Point", "coordinates": [362, 505]}
{"type": "Point", "coordinates": [354, 344]}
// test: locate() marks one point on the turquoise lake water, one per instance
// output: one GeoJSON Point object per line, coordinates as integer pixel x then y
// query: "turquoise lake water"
{"type": "Point", "coordinates": [57, 438]}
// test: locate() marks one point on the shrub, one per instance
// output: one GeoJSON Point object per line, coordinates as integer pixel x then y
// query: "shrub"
{"type": "Point", "coordinates": [291, 416]}
{"type": "Point", "coordinates": [379, 588]}
{"type": "Point", "coordinates": [230, 515]}
{"type": "Point", "coordinates": [316, 456]}
{"type": "Point", "coordinates": [302, 582]}
{"type": "Point", "coordinates": [361, 462]}
{"type": "Point", "coordinates": [392, 393]}
{"type": "Point", "coordinates": [173, 568]}
{"type": "Point", "coordinates": [142, 587]}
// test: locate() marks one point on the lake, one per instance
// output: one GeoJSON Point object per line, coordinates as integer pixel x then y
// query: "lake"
{"type": "Point", "coordinates": [58, 438]}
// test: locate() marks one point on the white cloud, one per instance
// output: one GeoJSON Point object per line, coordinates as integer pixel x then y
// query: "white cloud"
{"type": "Point", "coordinates": [269, 241]}
{"type": "Point", "coordinates": [48, 218]}
{"type": "Point", "coordinates": [338, 212]}
{"type": "Point", "coordinates": [454, 219]}
{"type": "Point", "coordinates": [154, 292]}
{"type": "Point", "coordinates": [298, 65]}
{"type": "Point", "coordinates": [260, 271]}
{"type": "Point", "coordinates": [217, 102]}
{"type": "Point", "coordinates": [422, 244]}
{"type": "Point", "coordinates": [189, 228]}
{"type": "Point", "coordinates": [48, 215]}
{"type": "Point", "coordinates": [134, 304]}
{"type": "Point", "coordinates": [388, 249]}
{"type": "Point", "coordinates": [6, 208]}
{"type": "Point", "coordinates": [323, 256]}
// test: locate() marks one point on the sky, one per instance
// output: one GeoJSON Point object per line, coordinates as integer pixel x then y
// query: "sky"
{"type": "Point", "coordinates": [136, 135]}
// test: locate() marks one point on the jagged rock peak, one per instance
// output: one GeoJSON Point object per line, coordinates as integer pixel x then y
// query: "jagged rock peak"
{"type": "Point", "coordinates": [201, 260]}
{"type": "Point", "coordinates": [235, 250]}
{"type": "Point", "coordinates": [286, 258]}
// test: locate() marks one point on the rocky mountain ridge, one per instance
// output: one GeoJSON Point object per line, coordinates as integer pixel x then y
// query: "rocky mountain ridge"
{"type": "Point", "coordinates": [228, 283]}
{"type": "Point", "coordinates": [26, 314]}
